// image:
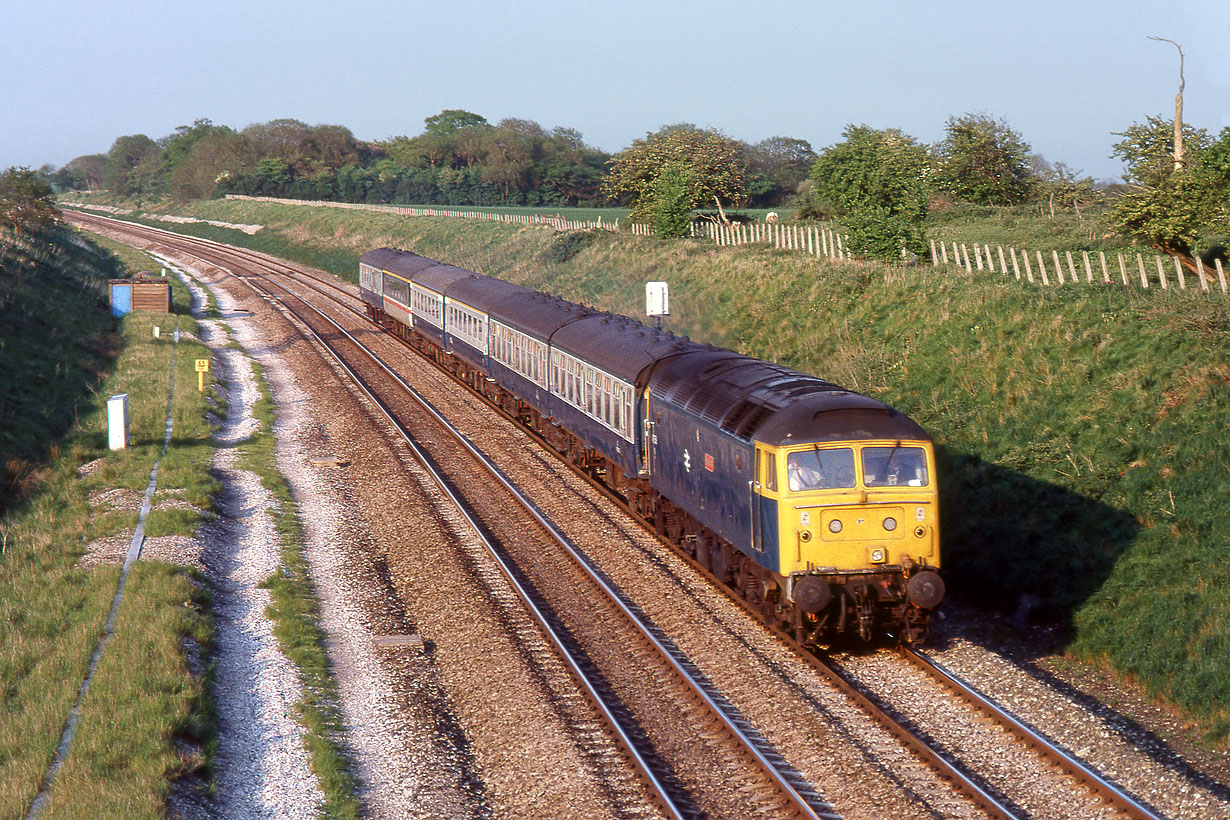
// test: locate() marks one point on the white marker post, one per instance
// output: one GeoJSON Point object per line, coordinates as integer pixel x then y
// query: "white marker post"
{"type": "Point", "coordinates": [117, 421]}
{"type": "Point", "coordinates": [657, 301]}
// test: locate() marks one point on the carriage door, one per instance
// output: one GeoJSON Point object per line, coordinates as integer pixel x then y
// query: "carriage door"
{"type": "Point", "coordinates": [648, 436]}
{"type": "Point", "coordinates": [765, 478]}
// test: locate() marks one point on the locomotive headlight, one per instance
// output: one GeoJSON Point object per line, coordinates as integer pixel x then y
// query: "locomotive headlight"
{"type": "Point", "coordinates": [890, 524]}
{"type": "Point", "coordinates": [834, 526]}
{"type": "Point", "coordinates": [877, 556]}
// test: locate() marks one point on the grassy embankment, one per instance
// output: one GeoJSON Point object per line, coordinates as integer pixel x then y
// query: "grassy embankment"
{"type": "Point", "coordinates": [61, 356]}
{"type": "Point", "coordinates": [146, 720]}
{"type": "Point", "coordinates": [1084, 455]}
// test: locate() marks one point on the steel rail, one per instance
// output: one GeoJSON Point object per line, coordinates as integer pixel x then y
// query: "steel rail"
{"type": "Point", "coordinates": [1051, 751]}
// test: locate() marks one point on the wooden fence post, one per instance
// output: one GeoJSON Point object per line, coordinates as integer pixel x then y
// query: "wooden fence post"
{"type": "Point", "coordinates": [1029, 274]}
{"type": "Point", "coordinates": [1221, 276]}
{"type": "Point", "coordinates": [1058, 267]}
{"type": "Point", "coordinates": [978, 257]}
{"type": "Point", "coordinates": [1105, 275]}
{"type": "Point", "coordinates": [1144, 280]}
{"type": "Point", "coordinates": [1088, 268]}
{"type": "Point", "coordinates": [1003, 266]}
{"type": "Point", "coordinates": [1204, 282]}
{"type": "Point", "coordinates": [1015, 267]}
{"type": "Point", "coordinates": [1042, 268]}
{"type": "Point", "coordinates": [1161, 274]}
{"type": "Point", "coordinates": [1178, 269]}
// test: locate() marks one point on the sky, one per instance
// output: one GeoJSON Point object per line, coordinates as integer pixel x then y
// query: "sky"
{"type": "Point", "coordinates": [74, 76]}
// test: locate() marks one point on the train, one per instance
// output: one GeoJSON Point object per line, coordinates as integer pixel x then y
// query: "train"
{"type": "Point", "coordinates": [816, 505]}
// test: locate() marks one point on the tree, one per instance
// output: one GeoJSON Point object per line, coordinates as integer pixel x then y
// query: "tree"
{"type": "Point", "coordinates": [984, 161]}
{"type": "Point", "coordinates": [1179, 152]}
{"type": "Point", "coordinates": [218, 156]}
{"type": "Point", "coordinates": [453, 120]}
{"type": "Point", "coordinates": [716, 168]}
{"type": "Point", "coordinates": [878, 180]}
{"type": "Point", "coordinates": [84, 173]}
{"type": "Point", "coordinates": [26, 200]}
{"type": "Point", "coordinates": [1055, 184]}
{"type": "Point", "coordinates": [122, 160]}
{"type": "Point", "coordinates": [1147, 150]}
{"type": "Point", "coordinates": [776, 168]}
{"type": "Point", "coordinates": [507, 157]}
{"type": "Point", "coordinates": [873, 169]}
{"type": "Point", "coordinates": [1168, 204]}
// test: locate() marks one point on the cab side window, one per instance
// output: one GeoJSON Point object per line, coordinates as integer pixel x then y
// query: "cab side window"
{"type": "Point", "coordinates": [770, 471]}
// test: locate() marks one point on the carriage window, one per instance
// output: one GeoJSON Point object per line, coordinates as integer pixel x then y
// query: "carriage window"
{"type": "Point", "coordinates": [820, 469]}
{"type": "Point", "coordinates": [895, 467]}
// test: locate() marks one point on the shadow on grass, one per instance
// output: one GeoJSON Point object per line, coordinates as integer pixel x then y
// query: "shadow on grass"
{"type": "Point", "coordinates": [1035, 552]}
{"type": "Point", "coordinates": [1020, 545]}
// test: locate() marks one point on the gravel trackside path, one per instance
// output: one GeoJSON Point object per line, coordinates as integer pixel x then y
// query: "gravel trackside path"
{"type": "Point", "coordinates": [262, 768]}
{"type": "Point", "coordinates": [411, 757]}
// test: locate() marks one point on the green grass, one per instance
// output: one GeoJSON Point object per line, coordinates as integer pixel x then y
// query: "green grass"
{"type": "Point", "coordinates": [143, 700]}
{"type": "Point", "coordinates": [1026, 227]}
{"type": "Point", "coordinates": [1081, 429]}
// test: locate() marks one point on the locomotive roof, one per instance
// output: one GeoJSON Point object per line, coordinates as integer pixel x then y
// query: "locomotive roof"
{"type": "Point", "coordinates": [750, 399]}
{"type": "Point", "coordinates": [380, 257]}
{"type": "Point", "coordinates": [619, 345]}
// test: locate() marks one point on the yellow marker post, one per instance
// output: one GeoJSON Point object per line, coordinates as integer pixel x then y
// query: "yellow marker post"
{"type": "Point", "coordinates": [202, 367]}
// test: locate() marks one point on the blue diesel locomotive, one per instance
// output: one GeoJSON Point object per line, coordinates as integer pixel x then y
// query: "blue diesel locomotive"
{"type": "Point", "coordinates": [816, 504]}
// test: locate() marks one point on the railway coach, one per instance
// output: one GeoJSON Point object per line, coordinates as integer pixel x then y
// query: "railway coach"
{"type": "Point", "coordinates": [816, 504]}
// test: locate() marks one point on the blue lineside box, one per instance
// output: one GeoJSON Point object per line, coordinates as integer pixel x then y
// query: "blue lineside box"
{"type": "Point", "coordinates": [145, 291]}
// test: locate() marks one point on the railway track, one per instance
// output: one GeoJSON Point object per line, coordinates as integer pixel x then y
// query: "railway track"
{"type": "Point", "coordinates": [628, 669]}
{"type": "Point", "coordinates": [1090, 791]}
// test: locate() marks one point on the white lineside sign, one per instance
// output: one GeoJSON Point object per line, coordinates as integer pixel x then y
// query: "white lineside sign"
{"type": "Point", "coordinates": [117, 421]}
{"type": "Point", "coordinates": [657, 299]}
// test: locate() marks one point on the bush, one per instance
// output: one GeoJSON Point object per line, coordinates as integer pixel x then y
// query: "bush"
{"type": "Point", "coordinates": [567, 245]}
{"type": "Point", "coordinates": [670, 206]}
{"type": "Point", "coordinates": [876, 235]}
